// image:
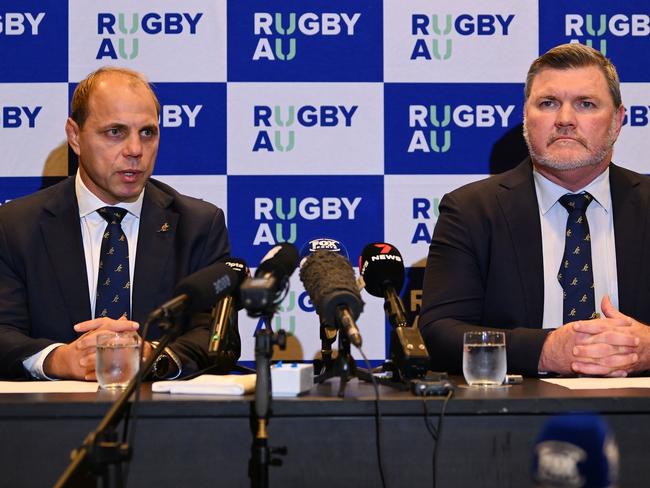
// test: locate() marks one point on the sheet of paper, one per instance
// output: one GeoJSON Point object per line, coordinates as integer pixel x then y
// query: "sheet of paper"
{"type": "Point", "coordinates": [48, 386]}
{"type": "Point", "coordinates": [599, 383]}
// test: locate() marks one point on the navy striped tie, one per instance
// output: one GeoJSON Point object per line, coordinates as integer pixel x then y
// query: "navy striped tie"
{"type": "Point", "coordinates": [113, 281]}
{"type": "Point", "coordinates": [575, 274]}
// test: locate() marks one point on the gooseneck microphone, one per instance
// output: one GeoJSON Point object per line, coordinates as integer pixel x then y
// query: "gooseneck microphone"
{"type": "Point", "coordinates": [329, 280]}
{"type": "Point", "coordinates": [382, 268]}
{"type": "Point", "coordinates": [222, 314]}
{"type": "Point", "coordinates": [199, 291]}
{"type": "Point", "coordinates": [262, 293]}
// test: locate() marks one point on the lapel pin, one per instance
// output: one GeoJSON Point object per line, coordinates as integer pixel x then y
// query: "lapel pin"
{"type": "Point", "coordinates": [164, 227]}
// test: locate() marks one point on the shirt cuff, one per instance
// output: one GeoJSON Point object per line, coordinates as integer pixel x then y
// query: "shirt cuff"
{"type": "Point", "coordinates": [34, 363]}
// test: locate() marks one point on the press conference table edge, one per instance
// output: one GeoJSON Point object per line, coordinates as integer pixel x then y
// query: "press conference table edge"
{"type": "Point", "coordinates": [186, 440]}
{"type": "Point", "coordinates": [531, 397]}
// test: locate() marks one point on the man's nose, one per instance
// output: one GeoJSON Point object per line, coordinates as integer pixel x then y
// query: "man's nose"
{"type": "Point", "coordinates": [133, 146]}
{"type": "Point", "coordinates": [565, 116]}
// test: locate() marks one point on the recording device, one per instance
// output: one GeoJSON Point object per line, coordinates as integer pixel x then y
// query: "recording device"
{"type": "Point", "coordinates": [431, 388]}
{"type": "Point", "coordinates": [329, 280]}
{"type": "Point", "coordinates": [382, 268]}
{"type": "Point", "coordinates": [576, 450]}
{"type": "Point", "coordinates": [323, 244]}
{"type": "Point", "coordinates": [262, 293]}
{"type": "Point", "coordinates": [199, 291]}
{"type": "Point", "coordinates": [513, 379]}
{"type": "Point", "coordinates": [223, 312]}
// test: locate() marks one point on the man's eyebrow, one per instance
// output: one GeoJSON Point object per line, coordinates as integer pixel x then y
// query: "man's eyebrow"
{"type": "Point", "coordinates": [113, 125]}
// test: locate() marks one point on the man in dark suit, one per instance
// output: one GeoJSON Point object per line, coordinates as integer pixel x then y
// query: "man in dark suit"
{"type": "Point", "coordinates": [52, 260]}
{"type": "Point", "coordinates": [497, 257]}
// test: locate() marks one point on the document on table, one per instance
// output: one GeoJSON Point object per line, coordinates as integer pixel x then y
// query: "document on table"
{"type": "Point", "coordinates": [599, 383]}
{"type": "Point", "coordinates": [48, 386]}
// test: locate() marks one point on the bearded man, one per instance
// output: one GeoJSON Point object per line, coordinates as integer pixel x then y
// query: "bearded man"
{"type": "Point", "coordinates": [553, 252]}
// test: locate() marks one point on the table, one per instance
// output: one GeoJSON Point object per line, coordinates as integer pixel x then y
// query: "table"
{"type": "Point", "coordinates": [202, 441]}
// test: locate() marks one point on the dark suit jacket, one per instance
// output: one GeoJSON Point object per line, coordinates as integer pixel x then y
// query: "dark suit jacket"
{"type": "Point", "coordinates": [485, 265]}
{"type": "Point", "coordinates": [43, 281]}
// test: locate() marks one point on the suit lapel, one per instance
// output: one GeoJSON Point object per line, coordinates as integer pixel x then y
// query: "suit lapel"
{"type": "Point", "coordinates": [518, 203]}
{"type": "Point", "coordinates": [61, 232]}
{"type": "Point", "coordinates": [630, 210]}
{"type": "Point", "coordinates": [155, 244]}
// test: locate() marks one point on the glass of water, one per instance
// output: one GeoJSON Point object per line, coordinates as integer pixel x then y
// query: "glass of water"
{"type": "Point", "coordinates": [117, 359]}
{"type": "Point", "coordinates": [484, 358]}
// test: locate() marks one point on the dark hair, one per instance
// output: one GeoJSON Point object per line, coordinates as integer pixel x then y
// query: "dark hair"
{"type": "Point", "coordinates": [575, 55]}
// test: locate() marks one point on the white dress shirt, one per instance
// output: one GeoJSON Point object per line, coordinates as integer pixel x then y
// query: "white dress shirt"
{"type": "Point", "coordinates": [93, 226]}
{"type": "Point", "coordinates": [603, 250]}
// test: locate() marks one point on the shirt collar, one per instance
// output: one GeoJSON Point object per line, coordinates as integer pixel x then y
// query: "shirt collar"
{"type": "Point", "coordinates": [89, 202]}
{"type": "Point", "coordinates": [548, 192]}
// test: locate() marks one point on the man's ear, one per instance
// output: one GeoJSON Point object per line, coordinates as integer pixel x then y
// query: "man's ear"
{"type": "Point", "coordinates": [72, 130]}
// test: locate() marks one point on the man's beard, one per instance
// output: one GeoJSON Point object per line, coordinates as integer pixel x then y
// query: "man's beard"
{"type": "Point", "coordinates": [593, 158]}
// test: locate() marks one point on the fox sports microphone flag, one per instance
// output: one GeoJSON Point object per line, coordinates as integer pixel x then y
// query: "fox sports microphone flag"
{"type": "Point", "coordinates": [576, 450]}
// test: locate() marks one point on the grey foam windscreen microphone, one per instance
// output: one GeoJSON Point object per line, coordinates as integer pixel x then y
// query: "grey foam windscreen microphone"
{"type": "Point", "coordinates": [330, 282]}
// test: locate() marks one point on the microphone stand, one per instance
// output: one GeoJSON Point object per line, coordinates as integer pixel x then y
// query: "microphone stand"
{"type": "Point", "coordinates": [343, 367]}
{"type": "Point", "coordinates": [327, 338]}
{"type": "Point", "coordinates": [261, 453]}
{"type": "Point", "coordinates": [101, 455]}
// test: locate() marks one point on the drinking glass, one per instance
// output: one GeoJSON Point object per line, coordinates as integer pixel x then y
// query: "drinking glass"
{"type": "Point", "coordinates": [484, 358]}
{"type": "Point", "coordinates": [117, 359]}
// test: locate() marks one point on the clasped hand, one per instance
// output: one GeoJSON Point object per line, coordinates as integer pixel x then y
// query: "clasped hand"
{"type": "Point", "coordinates": [614, 345]}
{"type": "Point", "coordinates": [77, 359]}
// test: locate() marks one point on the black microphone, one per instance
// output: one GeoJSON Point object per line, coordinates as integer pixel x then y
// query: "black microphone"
{"type": "Point", "coordinates": [576, 450]}
{"type": "Point", "coordinates": [382, 268]}
{"type": "Point", "coordinates": [265, 290]}
{"type": "Point", "coordinates": [222, 314]}
{"type": "Point", "coordinates": [199, 291]}
{"type": "Point", "coordinates": [329, 280]}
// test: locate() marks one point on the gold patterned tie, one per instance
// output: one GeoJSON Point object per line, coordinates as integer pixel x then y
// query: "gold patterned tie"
{"type": "Point", "coordinates": [575, 274]}
{"type": "Point", "coordinates": [113, 281]}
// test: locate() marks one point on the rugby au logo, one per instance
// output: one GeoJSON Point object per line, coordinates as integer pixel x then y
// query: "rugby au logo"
{"type": "Point", "coordinates": [283, 212]}
{"type": "Point", "coordinates": [128, 26]}
{"type": "Point", "coordinates": [286, 118]}
{"type": "Point", "coordinates": [592, 28]}
{"type": "Point", "coordinates": [435, 28]}
{"type": "Point", "coordinates": [278, 31]}
{"type": "Point", "coordinates": [432, 123]}
{"type": "Point", "coordinates": [18, 24]}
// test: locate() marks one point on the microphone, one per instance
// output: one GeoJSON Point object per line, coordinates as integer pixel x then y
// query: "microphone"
{"type": "Point", "coordinates": [382, 268]}
{"type": "Point", "coordinates": [576, 450]}
{"type": "Point", "coordinates": [329, 280]}
{"type": "Point", "coordinates": [266, 290]}
{"type": "Point", "coordinates": [222, 313]}
{"type": "Point", "coordinates": [199, 291]}
{"type": "Point", "coordinates": [323, 244]}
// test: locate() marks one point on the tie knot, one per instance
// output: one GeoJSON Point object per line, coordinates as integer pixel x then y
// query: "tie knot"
{"type": "Point", "coordinates": [112, 215]}
{"type": "Point", "coordinates": [576, 201]}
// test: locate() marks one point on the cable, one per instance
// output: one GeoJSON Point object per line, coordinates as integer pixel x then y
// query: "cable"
{"type": "Point", "coordinates": [378, 436]}
{"type": "Point", "coordinates": [132, 417]}
{"type": "Point", "coordinates": [436, 433]}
